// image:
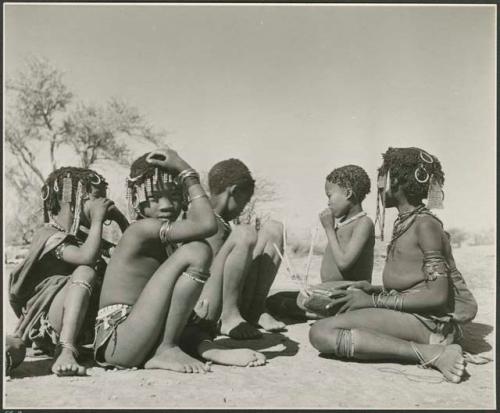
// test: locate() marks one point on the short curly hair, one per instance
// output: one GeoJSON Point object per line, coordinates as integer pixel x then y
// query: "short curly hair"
{"type": "Point", "coordinates": [230, 172]}
{"type": "Point", "coordinates": [351, 177]}
{"type": "Point", "coordinates": [140, 167]}
{"type": "Point", "coordinates": [405, 165]}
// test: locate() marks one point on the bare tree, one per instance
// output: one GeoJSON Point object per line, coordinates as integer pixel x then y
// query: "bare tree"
{"type": "Point", "coordinates": [255, 212]}
{"type": "Point", "coordinates": [95, 132]}
{"type": "Point", "coordinates": [39, 99]}
{"type": "Point", "coordinates": [42, 116]}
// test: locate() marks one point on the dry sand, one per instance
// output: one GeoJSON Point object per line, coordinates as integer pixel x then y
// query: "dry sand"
{"type": "Point", "coordinates": [295, 376]}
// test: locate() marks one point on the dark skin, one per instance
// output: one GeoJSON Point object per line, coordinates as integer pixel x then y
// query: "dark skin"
{"type": "Point", "coordinates": [349, 253]}
{"type": "Point", "coordinates": [143, 275]}
{"type": "Point", "coordinates": [383, 334]}
{"type": "Point", "coordinates": [68, 309]}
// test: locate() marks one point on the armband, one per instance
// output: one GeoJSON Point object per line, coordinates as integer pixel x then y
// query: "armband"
{"type": "Point", "coordinates": [164, 232]}
{"type": "Point", "coordinates": [434, 265]}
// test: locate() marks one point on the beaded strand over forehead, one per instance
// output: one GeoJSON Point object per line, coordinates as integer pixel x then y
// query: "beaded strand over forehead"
{"type": "Point", "coordinates": [69, 185]}
{"type": "Point", "coordinates": [144, 180]}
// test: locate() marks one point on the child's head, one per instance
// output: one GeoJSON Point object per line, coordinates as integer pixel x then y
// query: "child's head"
{"type": "Point", "coordinates": [154, 192]}
{"type": "Point", "coordinates": [232, 178]}
{"type": "Point", "coordinates": [72, 186]}
{"type": "Point", "coordinates": [346, 186]}
{"type": "Point", "coordinates": [412, 172]}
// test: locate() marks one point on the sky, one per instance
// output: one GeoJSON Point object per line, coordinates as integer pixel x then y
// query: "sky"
{"type": "Point", "coordinates": [292, 90]}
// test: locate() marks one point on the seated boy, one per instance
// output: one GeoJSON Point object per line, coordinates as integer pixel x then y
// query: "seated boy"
{"type": "Point", "coordinates": [157, 272]}
{"type": "Point", "coordinates": [54, 290]}
{"type": "Point", "coordinates": [419, 311]}
{"type": "Point", "coordinates": [349, 253]}
{"type": "Point", "coordinates": [245, 261]}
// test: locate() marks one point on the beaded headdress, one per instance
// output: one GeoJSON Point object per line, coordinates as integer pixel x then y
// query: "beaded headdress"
{"type": "Point", "coordinates": [141, 187]}
{"type": "Point", "coordinates": [71, 186]}
{"type": "Point", "coordinates": [424, 174]}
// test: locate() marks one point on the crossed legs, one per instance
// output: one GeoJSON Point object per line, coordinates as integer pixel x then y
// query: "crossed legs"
{"type": "Point", "coordinates": [380, 334]}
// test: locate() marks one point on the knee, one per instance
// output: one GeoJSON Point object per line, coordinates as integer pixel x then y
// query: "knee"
{"type": "Point", "coordinates": [272, 231]}
{"type": "Point", "coordinates": [318, 336]}
{"type": "Point", "coordinates": [198, 254]}
{"type": "Point", "coordinates": [245, 235]}
{"type": "Point", "coordinates": [84, 273]}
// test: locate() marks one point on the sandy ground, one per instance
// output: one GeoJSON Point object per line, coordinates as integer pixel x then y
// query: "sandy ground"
{"type": "Point", "coordinates": [295, 376]}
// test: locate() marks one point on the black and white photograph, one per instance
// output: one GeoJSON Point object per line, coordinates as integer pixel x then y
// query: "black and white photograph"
{"type": "Point", "coordinates": [249, 206]}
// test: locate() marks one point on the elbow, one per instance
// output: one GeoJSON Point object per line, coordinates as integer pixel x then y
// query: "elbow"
{"type": "Point", "coordinates": [209, 228]}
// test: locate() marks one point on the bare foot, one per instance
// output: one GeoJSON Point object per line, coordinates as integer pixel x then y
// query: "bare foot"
{"type": "Point", "coordinates": [269, 323]}
{"type": "Point", "coordinates": [238, 328]}
{"type": "Point", "coordinates": [66, 365]}
{"type": "Point", "coordinates": [451, 362]}
{"type": "Point", "coordinates": [175, 359]}
{"type": "Point", "coordinates": [241, 357]}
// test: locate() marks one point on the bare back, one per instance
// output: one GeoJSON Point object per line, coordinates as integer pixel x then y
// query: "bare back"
{"type": "Point", "coordinates": [362, 268]}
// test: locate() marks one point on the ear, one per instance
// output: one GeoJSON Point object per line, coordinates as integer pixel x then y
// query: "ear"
{"type": "Point", "coordinates": [349, 193]}
{"type": "Point", "coordinates": [232, 189]}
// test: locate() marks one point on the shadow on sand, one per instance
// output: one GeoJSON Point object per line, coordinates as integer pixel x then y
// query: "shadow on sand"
{"type": "Point", "coordinates": [270, 344]}
{"type": "Point", "coordinates": [475, 338]}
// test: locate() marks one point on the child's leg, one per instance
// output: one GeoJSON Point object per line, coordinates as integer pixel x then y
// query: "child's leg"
{"type": "Point", "coordinates": [67, 314]}
{"type": "Point", "coordinates": [160, 314]}
{"type": "Point", "coordinates": [379, 334]}
{"type": "Point", "coordinates": [242, 357]}
{"type": "Point", "coordinates": [261, 276]}
{"type": "Point", "coordinates": [223, 289]}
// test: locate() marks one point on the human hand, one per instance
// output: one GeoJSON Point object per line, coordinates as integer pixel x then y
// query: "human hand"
{"type": "Point", "coordinates": [353, 300]}
{"type": "Point", "coordinates": [359, 285]}
{"type": "Point", "coordinates": [98, 209]}
{"type": "Point", "coordinates": [327, 219]}
{"type": "Point", "coordinates": [168, 159]}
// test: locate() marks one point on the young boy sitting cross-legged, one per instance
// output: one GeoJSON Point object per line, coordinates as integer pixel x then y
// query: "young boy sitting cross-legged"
{"type": "Point", "coordinates": [55, 290]}
{"type": "Point", "coordinates": [420, 310]}
{"type": "Point", "coordinates": [157, 272]}
{"type": "Point", "coordinates": [245, 261]}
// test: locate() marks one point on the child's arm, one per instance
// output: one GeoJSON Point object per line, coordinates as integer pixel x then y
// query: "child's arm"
{"type": "Point", "coordinates": [347, 256]}
{"type": "Point", "coordinates": [200, 221]}
{"type": "Point", "coordinates": [114, 214]}
{"type": "Point", "coordinates": [88, 252]}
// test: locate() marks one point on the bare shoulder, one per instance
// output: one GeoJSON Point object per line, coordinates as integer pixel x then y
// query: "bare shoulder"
{"type": "Point", "coordinates": [365, 224]}
{"type": "Point", "coordinates": [140, 229]}
{"type": "Point", "coordinates": [428, 224]}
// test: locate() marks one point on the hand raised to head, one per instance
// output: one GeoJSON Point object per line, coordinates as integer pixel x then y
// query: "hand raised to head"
{"type": "Point", "coordinates": [166, 158]}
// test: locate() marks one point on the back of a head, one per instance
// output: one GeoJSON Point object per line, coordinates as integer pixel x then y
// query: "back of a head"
{"type": "Point", "coordinates": [227, 173]}
{"type": "Point", "coordinates": [414, 169]}
{"type": "Point", "coordinates": [351, 177]}
{"type": "Point", "coordinates": [65, 180]}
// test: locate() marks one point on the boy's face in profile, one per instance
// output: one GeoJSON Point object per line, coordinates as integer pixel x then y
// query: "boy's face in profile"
{"type": "Point", "coordinates": [165, 204]}
{"type": "Point", "coordinates": [239, 198]}
{"type": "Point", "coordinates": [338, 200]}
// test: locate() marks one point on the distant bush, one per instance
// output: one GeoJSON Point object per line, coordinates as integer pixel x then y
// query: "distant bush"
{"type": "Point", "coordinates": [457, 236]}
{"type": "Point", "coordinates": [485, 237]}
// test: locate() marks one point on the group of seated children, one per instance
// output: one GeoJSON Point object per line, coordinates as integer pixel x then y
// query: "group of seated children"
{"type": "Point", "coordinates": [173, 284]}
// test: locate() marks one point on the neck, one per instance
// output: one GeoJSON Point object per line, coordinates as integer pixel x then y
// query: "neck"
{"type": "Point", "coordinates": [219, 205]}
{"type": "Point", "coordinates": [405, 207]}
{"type": "Point", "coordinates": [355, 209]}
